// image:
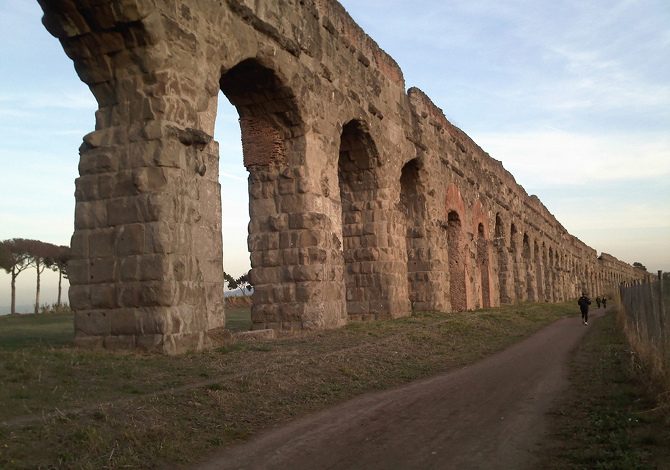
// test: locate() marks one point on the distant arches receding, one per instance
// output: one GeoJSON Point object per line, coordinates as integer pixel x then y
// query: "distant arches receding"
{"type": "Point", "coordinates": [457, 288]}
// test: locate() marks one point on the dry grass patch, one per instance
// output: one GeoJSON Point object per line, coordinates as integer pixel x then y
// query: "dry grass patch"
{"type": "Point", "coordinates": [82, 409]}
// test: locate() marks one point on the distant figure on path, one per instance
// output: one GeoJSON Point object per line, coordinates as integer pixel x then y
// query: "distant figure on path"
{"type": "Point", "coordinates": [604, 301]}
{"type": "Point", "coordinates": [598, 301]}
{"type": "Point", "coordinates": [584, 303]}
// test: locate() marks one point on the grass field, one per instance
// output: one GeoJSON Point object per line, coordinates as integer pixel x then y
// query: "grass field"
{"type": "Point", "coordinates": [64, 407]}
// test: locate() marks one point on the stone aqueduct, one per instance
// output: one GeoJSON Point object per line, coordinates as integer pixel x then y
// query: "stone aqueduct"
{"type": "Point", "coordinates": [365, 202]}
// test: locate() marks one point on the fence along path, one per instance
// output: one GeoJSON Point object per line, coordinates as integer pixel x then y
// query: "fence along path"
{"type": "Point", "coordinates": [646, 311]}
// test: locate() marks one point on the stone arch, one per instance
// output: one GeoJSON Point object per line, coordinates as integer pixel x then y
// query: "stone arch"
{"type": "Point", "coordinates": [412, 208]}
{"type": "Point", "coordinates": [528, 264]}
{"type": "Point", "coordinates": [504, 276]}
{"type": "Point", "coordinates": [273, 153]}
{"type": "Point", "coordinates": [483, 264]}
{"type": "Point", "coordinates": [480, 231]}
{"type": "Point", "coordinates": [457, 277]}
{"type": "Point", "coordinates": [552, 293]}
{"type": "Point", "coordinates": [514, 251]}
{"type": "Point", "coordinates": [358, 183]}
{"type": "Point", "coordinates": [546, 273]}
{"type": "Point", "coordinates": [269, 115]}
{"type": "Point", "coordinates": [539, 278]}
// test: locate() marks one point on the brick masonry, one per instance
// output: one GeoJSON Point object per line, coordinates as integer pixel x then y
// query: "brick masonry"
{"type": "Point", "coordinates": [365, 201]}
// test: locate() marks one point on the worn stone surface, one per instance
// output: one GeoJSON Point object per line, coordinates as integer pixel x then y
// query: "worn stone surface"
{"type": "Point", "coordinates": [365, 201]}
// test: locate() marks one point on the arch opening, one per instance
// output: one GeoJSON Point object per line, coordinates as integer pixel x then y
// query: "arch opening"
{"type": "Point", "coordinates": [539, 277]}
{"type": "Point", "coordinates": [457, 289]}
{"type": "Point", "coordinates": [483, 264]}
{"type": "Point", "coordinates": [503, 261]}
{"type": "Point", "coordinates": [357, 162]}
{"type": "Point", "coordinates": [412, 208]}
{"type": "Point", "coordinates": [527, 258]}
{"type": "Point", "coordinates": [272, 152]}
{"type": "Point", "coordinates": [514, 251]}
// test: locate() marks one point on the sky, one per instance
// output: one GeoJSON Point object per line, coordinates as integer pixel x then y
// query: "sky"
{"type": "Point", "coordinates": [573, 96]}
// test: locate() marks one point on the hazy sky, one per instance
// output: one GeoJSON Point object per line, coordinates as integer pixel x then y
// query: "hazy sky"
{"type": "Point", "coordinates": [572, 96]}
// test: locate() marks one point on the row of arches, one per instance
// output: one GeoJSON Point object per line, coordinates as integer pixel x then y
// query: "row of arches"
{"type": "Point", "coordinates": [347, 208]}
{"type": "Point", "coordinates": [476, 271]}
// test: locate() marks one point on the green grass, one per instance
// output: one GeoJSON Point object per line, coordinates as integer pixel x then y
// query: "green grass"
{"type": "Point", "coordinates": [607, 419]}
{"type": "Point", "coordinates": [65, 407]}
{"type": "Point", "coordinates": [238, 318]}
{"type": "Point", "coordinates": [20, 331]}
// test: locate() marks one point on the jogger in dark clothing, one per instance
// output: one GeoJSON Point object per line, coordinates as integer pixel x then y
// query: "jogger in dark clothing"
{"type": "Point", "coordinates": [584, 303]}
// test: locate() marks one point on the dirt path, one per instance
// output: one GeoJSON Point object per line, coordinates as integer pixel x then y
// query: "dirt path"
{"type": "Point", "coordinates": [487, 415]}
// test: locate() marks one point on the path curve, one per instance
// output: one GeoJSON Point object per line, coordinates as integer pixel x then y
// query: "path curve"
{"type": "Point", "coordinates": [487, 415]}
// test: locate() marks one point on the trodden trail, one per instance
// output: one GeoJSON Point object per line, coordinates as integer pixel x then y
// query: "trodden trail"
{"type": "Point", "coordinates": [491, 414]}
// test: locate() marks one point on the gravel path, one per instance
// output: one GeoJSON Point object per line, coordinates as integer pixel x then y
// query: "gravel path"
{"type": "Point", "coordinates": [490, 415]}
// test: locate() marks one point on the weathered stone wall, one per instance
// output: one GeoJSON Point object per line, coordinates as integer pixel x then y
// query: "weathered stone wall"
{"type": "Point", "coordinates": [365, 201]}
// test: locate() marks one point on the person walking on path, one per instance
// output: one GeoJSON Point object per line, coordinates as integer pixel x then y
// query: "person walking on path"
{"type": "Point", "coordinates": [598, 301]}
{"type": "Point", "coordinates": [604, 301]}
{"type": "Point", "coordinates": [584, 303]}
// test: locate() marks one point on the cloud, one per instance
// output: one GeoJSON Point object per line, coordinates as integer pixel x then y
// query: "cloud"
{"type": "Point", "coordinates": [73, 99]}
{"type": "Point", "coordinates": [232, 176]}
{"type": "Point", "coordinates": [555, 157]}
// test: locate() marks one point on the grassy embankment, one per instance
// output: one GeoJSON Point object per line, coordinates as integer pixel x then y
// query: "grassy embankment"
{"type": "Point", "coordinates": [66, 407]}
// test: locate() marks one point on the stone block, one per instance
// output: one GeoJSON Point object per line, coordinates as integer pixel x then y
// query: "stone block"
{"type": "Point", "coordinates": [88, 342]}
{"type": "Point", "coordinates": [262, 208]}
{"type": "Point", "coordinates": [92, 323]}
{"type": "Point", "coordinates": [291, 312]}
{"type": "Point", "coordinates": [261, 276]}
{"type": "Point", "coordinates": [78, 271]}
{"type": "Point", "coordinates": [278, 223]}
{"type": "Point", "coordinates": [101, 243]}
{"type": "Point", "coordinates": [129, 268]}
{"type": "Point", "coordinates": [154, 268]}
{"type": "Point", "coordinates": [119, 342]}
{"type": "Point", "coordinates": [149, 343]}
{"type": "Point", "coordinates": [79, 246]}
{"type": "Point", "coordinates": [130, 240]}
{"type": "Point", "coordinates": [102, 270]}
{"type": "Point", "coordinates": [263, 313]}
{"type": "Point", "coordinates": [292, 204]}
{"type": "Point", "coordinates": [307, 220]}
{"type": "Point", "coordinates": [150, 180]}
{"type": "Point", "coordinates": [86, 188]}
{"type": "Point", "coordinates": [157, 237]}
{"type": "Point", "coordinates": [272, 258]}
{"type": "Point", "coordinates": [103, 296]}
{"type": "Point", "coordinates": [158, 294]}
{"type": "Point", "coordinates": [90, 215]}
{"type": "Point", "coordinates": [123, 211]}
{"type": "Point", "coordinates": [256, 335]}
